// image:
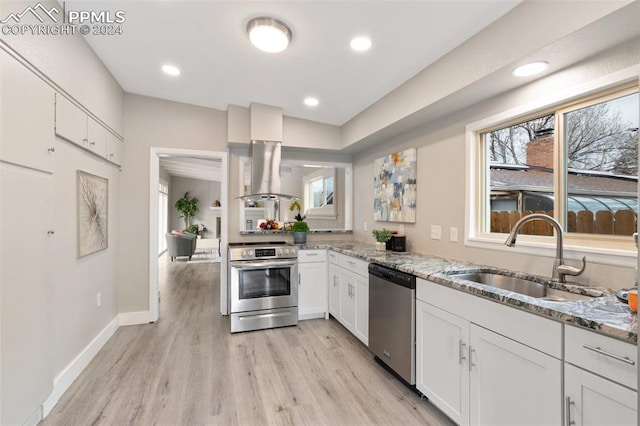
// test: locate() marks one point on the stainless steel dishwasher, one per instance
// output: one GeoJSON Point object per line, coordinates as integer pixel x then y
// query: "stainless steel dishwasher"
{"type": "Point", "coordinates": [392, 319]}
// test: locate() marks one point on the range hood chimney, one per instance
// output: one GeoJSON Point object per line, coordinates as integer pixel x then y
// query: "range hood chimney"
{"type": "Point", "coordinates": [265, 153]}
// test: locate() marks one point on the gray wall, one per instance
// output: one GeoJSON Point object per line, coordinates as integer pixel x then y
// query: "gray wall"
{"type": "Point", "coordinates": [441, 174]}
{"type": "Point", "coordinates": [151, 122]}
{"type": "Point", "coordinates": [72, 318]}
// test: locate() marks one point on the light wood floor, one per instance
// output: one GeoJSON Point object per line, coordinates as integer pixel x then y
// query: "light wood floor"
{"type": "Point", "coordinates": [187, 369]}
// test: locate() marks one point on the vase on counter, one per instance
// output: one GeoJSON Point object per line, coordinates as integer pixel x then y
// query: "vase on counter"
{"type": "Point", "coordinates": [299, 237]}
{"type": "Point", "coordinates": [381, 246]}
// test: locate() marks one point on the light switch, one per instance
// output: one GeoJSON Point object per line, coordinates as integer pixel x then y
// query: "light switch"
{"type": "Point", "coordinates": [436, 232]}
{"type": "Point", "coordinates": [453, 234]}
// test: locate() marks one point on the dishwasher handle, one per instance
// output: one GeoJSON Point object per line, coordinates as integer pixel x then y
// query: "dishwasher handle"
{"type": "Point", "coordinates": [393, 276]}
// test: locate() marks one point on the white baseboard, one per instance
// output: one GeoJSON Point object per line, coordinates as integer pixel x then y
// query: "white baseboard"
{"type": "Point", "coordinates": [71, 372]}
{"type": "Point", "coordinates": [134, 318]}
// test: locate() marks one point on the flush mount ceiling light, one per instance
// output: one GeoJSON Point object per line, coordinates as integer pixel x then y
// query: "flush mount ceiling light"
{"type": "Point", "coordinates": [311, 101]}
{"type": "Point", "coordinates": [170, 70]}
{"type": "Point", "coordinates": [269, 34]}
{"type": "Point", "coordinates": [530, 69]}
{"type": "Point", "coordinates": [361, 44]}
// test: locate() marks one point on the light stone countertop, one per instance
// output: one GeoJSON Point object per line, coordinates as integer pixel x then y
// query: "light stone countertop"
{"type": "Point", "coordinates": [605, 315]}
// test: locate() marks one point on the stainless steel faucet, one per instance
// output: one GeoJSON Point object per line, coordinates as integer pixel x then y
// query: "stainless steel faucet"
{"type": "Point", "coordinates": [560, 270]}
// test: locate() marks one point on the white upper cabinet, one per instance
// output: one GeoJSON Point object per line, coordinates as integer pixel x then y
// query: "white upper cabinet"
{"type": "Point", "coordinates": [75, 126]}
{"type": "Point", "coordinates": [71, 122]}
{"type": "Point", "coordinates": [97, 137]}
{"type": "Point", "coordinates": [27, 115]}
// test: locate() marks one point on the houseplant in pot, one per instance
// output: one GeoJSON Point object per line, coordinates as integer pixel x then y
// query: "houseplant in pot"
{"type": "Point", "coordinates": [382, 236]}
{"type": "Point", "coordinates": [187, 207]}
{"type": "Point", "coordinates": [299, 227]}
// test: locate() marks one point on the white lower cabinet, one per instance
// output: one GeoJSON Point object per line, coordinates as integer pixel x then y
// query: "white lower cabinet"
{"type": "Point", "coordinates": [312, 284]}
{"type": "Point", "coordinates": [334, 289]}
{"type": "Point", "coordinates": [511, 383]}
{"type": "Point", "coordinates": [442, 367]}
{"type": "Point", "coordinates": [600, 378]}
{"type": "Point", "coordinates": [349, 294]}
{"type": "Point", "coordinates": [478, 376]}
{"type": "Point", "coordinates": [593, 400]}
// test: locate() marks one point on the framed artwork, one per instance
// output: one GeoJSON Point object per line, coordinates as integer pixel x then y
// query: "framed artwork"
{"type": "Point", "coordinates": [394, 187]}
{"type": "Point", "coordinates": [93, 194]}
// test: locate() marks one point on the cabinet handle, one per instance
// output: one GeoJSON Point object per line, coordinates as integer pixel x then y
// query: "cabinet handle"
{"type": "Point", "coordinates": [609, 354]}
{"type": "Point", "coordinates": [461, 351]}
{"type": "Point", "coordinates": [567, 408]}
{"type": "Point", "coordinates": [471, 352]}
{"type": "Point", "coordinates": [111, 155]}
{"type": "Point", "coordinates": [351, 262]}
{"type": "Point", "coordinates": [311, 254]}
{"type": "Point", "coordinates": [51, 232]}
{"type": "Point", "coordinates": [335, 281]}
{"type": "Point", "coordinates": [85, 140]}
{"type": "Point", "coordinates": [299, 279]}
{"type": "Point", "coordinates": [92, 143]}
{"type": "Point", "coordinates": [52, 149]}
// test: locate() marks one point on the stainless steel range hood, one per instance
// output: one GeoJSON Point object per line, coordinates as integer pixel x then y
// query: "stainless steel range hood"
{"type": "Point", "coordinates": [265, 172]}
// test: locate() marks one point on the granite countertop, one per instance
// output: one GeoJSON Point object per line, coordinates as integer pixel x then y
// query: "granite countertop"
{"type": "Point", "coordinates": [605, 314]}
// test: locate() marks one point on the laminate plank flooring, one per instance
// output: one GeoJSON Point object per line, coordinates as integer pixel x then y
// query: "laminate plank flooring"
{"type": "Point", "coordinates": [187, 369]}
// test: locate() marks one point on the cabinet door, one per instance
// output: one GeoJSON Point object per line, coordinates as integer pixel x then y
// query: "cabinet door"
{"type": "Point", "coordinates": [334, 290]}
{"type": "Point", "coordinates": [442, 364]}
{"type": "Point", "coordinates": [115, 149]}
{"type": "Point", "coordinates": [512, 383]}
{"type": "Point", "coordinates": [27, 116]}
{"type": "Point", "coordinates": [592, 400]}
{"type": "Point", "coordinates": [25, 342]}
{"type": "Point", "coordinates": [71, 122]}
{"type": "Point", "coordinates": [361, 326]}
{"type": "Point", "coordinates": [312, 290]}
{"type": "Point", "coordinates": [97, 136]}
{"type": "Point", "coordinates": [347, 301]}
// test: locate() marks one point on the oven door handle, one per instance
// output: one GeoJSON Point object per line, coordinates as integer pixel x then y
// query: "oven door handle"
{"type": "Point", "coordinates": [261, 265]}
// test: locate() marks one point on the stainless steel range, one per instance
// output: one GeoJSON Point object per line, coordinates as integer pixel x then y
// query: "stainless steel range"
{"type": "Point", "coordinates": [263, 285]}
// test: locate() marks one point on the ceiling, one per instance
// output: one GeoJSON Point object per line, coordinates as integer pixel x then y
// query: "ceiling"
{"type": "Point", "coordinates": [208, 42]}
{"type": "Point", "coordinates": [193, 168]}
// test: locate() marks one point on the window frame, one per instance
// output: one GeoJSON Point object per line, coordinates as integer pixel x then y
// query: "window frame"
{"type": "Point", "coordinates": [328, 211]}
{"type": "Point", "coordinates": [613, 250]}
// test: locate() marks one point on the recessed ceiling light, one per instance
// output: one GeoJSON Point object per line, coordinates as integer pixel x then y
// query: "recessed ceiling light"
{"type": "Point", "coordinates": [269, 34]}
{"type": "Point", "coordinates": [530, 69]}
{"type": "Point", "coordinates": [311, 101]}
{"type": "Point", "coordinates": [361, 44]}
{"type": "Point", "coordinates": [170, 70]}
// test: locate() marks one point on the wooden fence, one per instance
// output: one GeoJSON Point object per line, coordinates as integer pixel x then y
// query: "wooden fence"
{"type": "Point", "coordinates": [604, 222]}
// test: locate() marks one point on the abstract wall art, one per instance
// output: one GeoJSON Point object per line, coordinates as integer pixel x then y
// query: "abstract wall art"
{"type": "Point", "coordinates": [93, 194]}
{"type": "Point", "coordinates": [394, 187]}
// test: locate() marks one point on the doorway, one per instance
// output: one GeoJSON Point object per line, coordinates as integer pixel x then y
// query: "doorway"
{"type": "Point", "coordinates": [154, 225]}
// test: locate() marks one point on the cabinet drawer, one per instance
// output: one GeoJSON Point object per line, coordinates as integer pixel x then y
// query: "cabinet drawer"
{"type": "Point", "coordinates": [610, 358]}
{"type": "Point", "coordinates": [305, 256]}
{"type": "Point", "coordinates": [358, 266]}
{"type": "Point", "coordinates": [333, 257]}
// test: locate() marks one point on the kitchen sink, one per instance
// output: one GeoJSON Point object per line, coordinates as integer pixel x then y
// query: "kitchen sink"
{"type": "Point", "coordinates": [521, 286]}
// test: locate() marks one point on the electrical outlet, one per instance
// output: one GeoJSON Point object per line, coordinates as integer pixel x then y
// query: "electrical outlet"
{"type": "Point", "coordinates": [436, 232]}
{"type": "Point", "coordinates": [364, 226]}
{"type": "Point", "coordinates": [453, 234]}
{"type": "Point", "coordinates": [99, 300]}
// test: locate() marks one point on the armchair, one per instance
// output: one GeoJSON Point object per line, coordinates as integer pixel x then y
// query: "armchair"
{"type": "Point", "coordinates": [180, 244]}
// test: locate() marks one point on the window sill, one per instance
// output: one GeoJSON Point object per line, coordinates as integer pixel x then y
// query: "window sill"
{"type": "Point", "coordinates": [572, 252]}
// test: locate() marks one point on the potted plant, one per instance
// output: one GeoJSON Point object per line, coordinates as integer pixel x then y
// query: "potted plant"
{"type": "Point", "coordinates": [187, 207]}
{"type": "Point", "coordinates": [299, 227]}
{"type": "Point", "coordinates": [381, 236]}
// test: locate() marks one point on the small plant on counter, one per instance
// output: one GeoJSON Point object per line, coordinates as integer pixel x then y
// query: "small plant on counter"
{"type": "Point", "coordinates": [299, 227]}
{"type": "Point", "coordinates": [381, 236]}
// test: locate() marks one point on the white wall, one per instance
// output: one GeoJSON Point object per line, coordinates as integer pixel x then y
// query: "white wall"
{"type": "Point", "coordinates": [151, 122]}
{"type": "Point", "coordinates": [441, 174]}
{"type": "Point", "coordinates": [205, 191]}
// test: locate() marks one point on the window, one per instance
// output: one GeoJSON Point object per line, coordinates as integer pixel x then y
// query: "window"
{"type": "Point", "coordinates": [577, 163]}
{"type": "Point", "coordinates": [319, 194]}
